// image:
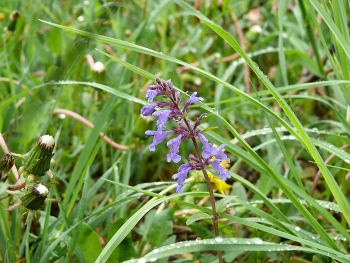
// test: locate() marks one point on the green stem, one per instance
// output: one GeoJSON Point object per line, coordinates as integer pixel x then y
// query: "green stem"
{"type": "Point", "coordinates": [29, 223]}
{"type": "Point", "coordinates": [210, 188]}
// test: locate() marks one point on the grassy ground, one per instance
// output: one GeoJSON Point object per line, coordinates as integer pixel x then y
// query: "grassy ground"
{"type": "Point", "coordinates": [274, 76]}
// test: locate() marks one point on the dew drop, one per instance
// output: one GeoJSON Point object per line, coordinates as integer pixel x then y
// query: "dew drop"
{"type": "Point", "coordinates": [142, 260]}
{"type": "Point", "coordinates": [218, 239]}
{"type": "Point", "coordinates": [297, 228]}
{"type": "Point", "coordinates": [152, 259]}
{"type": "Point", "coordinates": [199, 240]}
{"type": "Point", "coordinates": [233, 240]}
{"type": "Point", "coordinates": [156, 250]}
{"type": "Point", "coordinates": [257, 240]}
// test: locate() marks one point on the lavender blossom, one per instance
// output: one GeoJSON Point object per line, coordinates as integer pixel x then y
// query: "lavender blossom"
{"type": "Point", "coordinates": [175, 145]}
{"type": "Point", "coordinates": [163, 118]}
{"type": "Point", "coordinates": [218, 153]}
{"type": "Point", "coordinates": [223, 173]}
{"type": "Point", "coordinates": [159, 136]}
{"type": "Point", "coordinates": [181, 176]}
{"type": "Point", "coordinates": [185, 130]}
{"type": "Point", "coordinates": [207, 148]}
{"type": "Point", "coordinates": [148, 109]}
{"type": "Point", "coordinates": [151, 94]}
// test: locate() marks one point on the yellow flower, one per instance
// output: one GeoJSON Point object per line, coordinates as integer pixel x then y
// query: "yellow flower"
{"type": "Point", "coordinates": [219, 184]}
{"type": "Point", "coordinates": [225, 164]}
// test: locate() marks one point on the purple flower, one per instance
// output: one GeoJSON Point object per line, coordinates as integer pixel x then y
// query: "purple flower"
{"type": "Point", "coordinates": [175, 145]}
{"type": "Point", "coordinates": [163, 118]}
{"type": "Point", "coordinates": [151, 94]}
{"type": "Point", "coordinates": [218, 153]}
{"type": "Point", "coordinates": [148, 109]}
{"type": "Point", "coordinates": [193, 98]}
{"type": "Point", "coordinates": [223, 173]}
{"type": "Point", "coordinates": [159, 136]}
{"type": "Point", "coordinates": [181, 176]}
{"type": "Point", "coordinates": [207, 149]}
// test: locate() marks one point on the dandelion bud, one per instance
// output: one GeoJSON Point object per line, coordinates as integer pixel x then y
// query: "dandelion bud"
{"type": "Point", "coordinates": [6, 163]}
{"type": "Point", "coordinates": [35, 196]}
{"type": "Point", "coordinates": [38, 160]}
{"type": "Point", "coordinates": [13, 21]}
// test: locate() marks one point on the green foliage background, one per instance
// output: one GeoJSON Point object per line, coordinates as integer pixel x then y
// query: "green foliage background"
{"type": "Point", "coordinates": [280, 124]}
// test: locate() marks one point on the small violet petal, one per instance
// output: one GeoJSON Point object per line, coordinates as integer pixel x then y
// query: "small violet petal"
{"type": "Point", "coordinates": [175, 146]}
{"type": "Point", "coordinates": [148, 109]}
{"type": "Point", "coordinates": [163, 118]}
{"type": "Point", "coordinates": [223, 173]}
{"type": "Point", "coordinates": [193, 98]}
{"type": "Point", "coordinates": [207, 149]}
{"type": "Point", "coordinates": [181, 176]}
{"type": "Point", "coordinates": [151, 94]}
{"type": "Point", "coordinates": [159, 136]}
{"type": "Point", "coordinates": [219, 155]}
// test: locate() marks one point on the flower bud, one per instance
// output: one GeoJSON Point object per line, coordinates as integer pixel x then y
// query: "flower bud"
{"type": "Point", "coordinates": [38, 160]}
{"type": "Point", "coordinates": [13, 21]}
{"type": "Point", "coordinates": [35, 196]}
{"type": "Point", "coordinates": [6, 163]}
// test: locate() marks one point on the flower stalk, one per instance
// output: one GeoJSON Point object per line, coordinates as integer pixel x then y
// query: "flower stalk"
{"type": "Point", "coordinates": [211, 156]}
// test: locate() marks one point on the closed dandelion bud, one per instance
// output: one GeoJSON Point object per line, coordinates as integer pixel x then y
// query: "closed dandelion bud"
{"type": "Point", "coordinates": [35, 196]}
{"type": "Point", "coordinates": [6, 163]}
{"type": "Point", "coordinates": [38, 160]}
{"type": "Point", "coordinates": [13, 21]}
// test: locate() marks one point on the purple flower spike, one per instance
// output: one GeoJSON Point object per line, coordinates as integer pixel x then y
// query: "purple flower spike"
{"type": "Point", "coordinates": [207, 149]}
{"type": "Point", "coordinates": [193, 98]}
{"type": "Point", "coordinates": [223, 173]}
{"type": "Point", "coordinates": [159, 136]}
{"type": "Point", "coordinates": [175, 145]}
{"type": "Point", "coordinates": [151, 94]}
{"type": "Point", "coordinates": [218, 153]}
{"type": "Point", "coordinates": [181, 176]}
{"type": "Point", "coordinates": [148, 109]}
{"type": "Point", "coordinates": [163, 118]}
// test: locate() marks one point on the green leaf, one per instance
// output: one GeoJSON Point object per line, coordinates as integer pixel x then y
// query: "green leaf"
{"type": "Point", "coordinates": [222, 204]}
{"type": "Point", "coordinates": [88, 243]}
{"type": "Point", "coordinates": [226, 244]}
{"type": "Point", "coordinates": [161, 226]}
{"type": "Point", "coordinates": [126, 249]}
{"type": "Point", "coordinates": [196, 217]}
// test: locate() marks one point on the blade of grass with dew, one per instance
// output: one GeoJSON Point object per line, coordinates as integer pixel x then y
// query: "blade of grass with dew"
{"type": "Point", "coordinates": [303, 195]}
{"type": "Point", "coordinates": [285, 89]}
{"type": "Point", "coordinates": [140, 49]}
{"type": "Point", "coordinates": [224, 244]}
{"type": "Point", "coordinates": [332, 26]}
{"type": "Point", "coordinates": [304, 138]}
{"type": "Point", "coordinates": [62, 235]}
{"type": "Point", "coordinates": [285, 186]}
{"type": "Point", "coordinates": [84, 156]}
{"type": "Point", "coordinates": [207, 210]}
{"type": "Point", "coordinates": [282, 8]}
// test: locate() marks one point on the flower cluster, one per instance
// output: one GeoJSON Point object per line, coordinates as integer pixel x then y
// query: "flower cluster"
{"type": "Point", "coordinates": [172, 110]}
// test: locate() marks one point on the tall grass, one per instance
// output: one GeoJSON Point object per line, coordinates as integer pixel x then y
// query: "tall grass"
{"type": "Point", "coordinates": [119, 205]}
